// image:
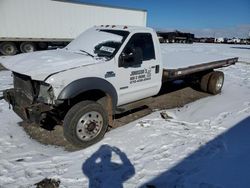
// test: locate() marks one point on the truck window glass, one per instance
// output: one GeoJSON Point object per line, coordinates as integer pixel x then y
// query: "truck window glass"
{"type": "Point", "coordinates": [143, 41]}
{"type": "Point", "coordinates": [98, 42]}
{"type": "Point", "coordinates": [110, 48]}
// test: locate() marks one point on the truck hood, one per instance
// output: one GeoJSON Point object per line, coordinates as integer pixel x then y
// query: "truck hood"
{"type": "Point", "coordinates": [40, 65]}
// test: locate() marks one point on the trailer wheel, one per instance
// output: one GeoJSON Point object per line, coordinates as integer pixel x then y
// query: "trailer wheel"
{"type": "Point", "coordinates": [8, 48]}
{"type": "Point", "coordinates": [215, 83]}
{"type": "Point", "coordinates": [85, 124]}
{"type": "Point", "coordinates": [204, 82]}
{"type": "Point", "coordinates": [26, 47]}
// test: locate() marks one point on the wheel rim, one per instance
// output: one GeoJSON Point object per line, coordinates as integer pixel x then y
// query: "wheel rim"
{"type": "Point", "coordinates": [29, 48]}
{"type": "Point", "coordinates": [9, 49]}
{"type": "Point", "coordinates": [219, 83]}
{"type": "Point", "coordinates": [89, 126]}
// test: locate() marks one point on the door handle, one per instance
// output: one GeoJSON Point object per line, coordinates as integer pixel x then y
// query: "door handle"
{"type": "Point", "coordinates": [157, 68]}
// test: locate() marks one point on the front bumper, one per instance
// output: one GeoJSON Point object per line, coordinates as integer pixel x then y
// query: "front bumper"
{"type": "Point", "coordinates": [24, 107]}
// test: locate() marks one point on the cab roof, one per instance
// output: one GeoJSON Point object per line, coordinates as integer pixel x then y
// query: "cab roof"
{"type": "Point", "coordinates": [125, 28]}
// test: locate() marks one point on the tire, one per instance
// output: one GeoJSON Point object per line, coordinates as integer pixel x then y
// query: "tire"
{"type": "Point", "coordinates": [8, 48]}
{"type": "Point", "coordinates": [85, 124]}
{"type": "Point", "coordinates": [27, 47]}
{"type": "Point", "coordinates": [204, 82]}
{"type": "Point", "coordinates": [215, 83]}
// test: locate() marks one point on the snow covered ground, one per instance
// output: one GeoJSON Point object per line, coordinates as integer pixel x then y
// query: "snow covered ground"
{"type": "Point", "coordinates": [206, 144]}
{"type": "Point", "coordinates": [183, 55]}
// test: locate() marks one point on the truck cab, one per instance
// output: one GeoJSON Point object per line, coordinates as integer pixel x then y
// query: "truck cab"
{"type": "Point", "coordinates": [130, 65]}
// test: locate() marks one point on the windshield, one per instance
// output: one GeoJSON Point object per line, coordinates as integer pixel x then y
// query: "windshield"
{"type": "Point", "coordinates": [98, 42]}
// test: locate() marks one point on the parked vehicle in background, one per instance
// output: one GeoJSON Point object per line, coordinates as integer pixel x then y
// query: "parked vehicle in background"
{"type": "Point", "coordinates": [205, 40]}
{"type": "Point", "coordinates": [30, 25]}
{"type": "Point", "coordinates": [245, 41]}
{"type": "Point", "coordinates": [234, 41]}
{"type": "Point", "coordinates": [105, 71]}
{"type": "Point", "coordinates": [220, 40]}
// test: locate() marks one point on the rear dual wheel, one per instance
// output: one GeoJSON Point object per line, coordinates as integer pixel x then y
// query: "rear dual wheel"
{"type": "Point", "coordinates": [212, 82]}
{"type": "Point", "coordinates": [85, 124]}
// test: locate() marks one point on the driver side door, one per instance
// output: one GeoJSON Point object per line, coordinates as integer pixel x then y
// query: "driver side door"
{"type": "Point", "coordinates": [137, 70]}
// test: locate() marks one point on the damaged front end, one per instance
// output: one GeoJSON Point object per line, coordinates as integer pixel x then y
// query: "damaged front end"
{"type": "Point", "coordinates": [31, 100]}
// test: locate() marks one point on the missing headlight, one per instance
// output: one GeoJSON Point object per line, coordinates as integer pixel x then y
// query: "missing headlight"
{"type": "Point", "coordinates": [46, 94]}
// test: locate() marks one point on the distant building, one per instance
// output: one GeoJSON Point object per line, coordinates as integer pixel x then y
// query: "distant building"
{"type": "Point", "coordinates": [175, 37]}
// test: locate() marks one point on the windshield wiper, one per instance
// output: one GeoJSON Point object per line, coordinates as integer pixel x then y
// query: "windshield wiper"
{"type": "Point", "coordinates": [87, 53]}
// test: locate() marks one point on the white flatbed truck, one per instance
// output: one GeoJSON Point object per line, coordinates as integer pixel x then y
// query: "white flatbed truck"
{"type": "Point", "coordinates": [104, 71]}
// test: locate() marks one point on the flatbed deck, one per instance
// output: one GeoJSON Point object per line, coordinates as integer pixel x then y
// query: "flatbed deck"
{"type": "Point", "coordinates": [178, 73]}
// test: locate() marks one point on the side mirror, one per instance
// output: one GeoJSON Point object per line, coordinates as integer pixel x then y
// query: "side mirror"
{"type": "Point", "coordinates": [131, 57]}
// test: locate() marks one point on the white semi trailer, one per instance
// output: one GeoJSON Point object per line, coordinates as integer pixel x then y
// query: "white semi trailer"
{"type": "Point", "coordinates": [30, 25]}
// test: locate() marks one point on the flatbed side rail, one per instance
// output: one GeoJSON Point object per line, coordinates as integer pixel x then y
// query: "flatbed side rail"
{"type": "Point", "coordinates": [171, 74]}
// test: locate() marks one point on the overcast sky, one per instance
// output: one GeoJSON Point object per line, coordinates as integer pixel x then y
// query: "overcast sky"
{"type": "Point", "coordinates": [219, 18]}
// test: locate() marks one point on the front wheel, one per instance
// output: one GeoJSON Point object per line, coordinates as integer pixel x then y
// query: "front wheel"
{"type": "Point", "coordinates": [85, 124]}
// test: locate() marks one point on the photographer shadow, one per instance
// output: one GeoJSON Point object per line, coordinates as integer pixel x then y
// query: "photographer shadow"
{"type": "Point", "coordinates": [108, 167]}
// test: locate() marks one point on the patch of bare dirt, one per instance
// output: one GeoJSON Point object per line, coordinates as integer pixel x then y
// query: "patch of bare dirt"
{"type": "Point", "coordinates": [48, 183]}
{"type": "Point", "coordinates": [172, 96]}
